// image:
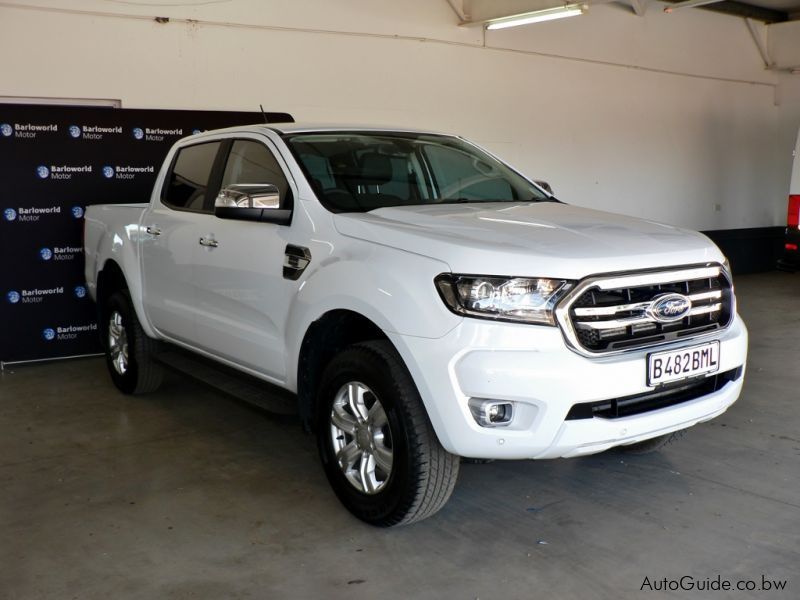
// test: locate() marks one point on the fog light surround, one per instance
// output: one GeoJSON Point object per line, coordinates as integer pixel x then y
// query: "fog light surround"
{"type": "Point", "coordinates": [491, 413]}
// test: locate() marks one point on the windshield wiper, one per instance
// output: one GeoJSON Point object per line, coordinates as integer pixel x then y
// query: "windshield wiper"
{"type": "Point", "coordinates": [486, 200]}
{"type": "Point", "coordinates": [463, 201]}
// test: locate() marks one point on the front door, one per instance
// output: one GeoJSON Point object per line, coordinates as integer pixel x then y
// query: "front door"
{"type": "Point", "coordinates": [242, 299]}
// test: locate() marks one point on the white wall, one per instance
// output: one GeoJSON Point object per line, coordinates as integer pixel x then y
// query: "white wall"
{"type": "Point", "coordinates": [669, 117]}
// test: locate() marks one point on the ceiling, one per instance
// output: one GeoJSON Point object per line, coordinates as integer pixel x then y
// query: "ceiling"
{"type": "Point", "coordinates": [777, 43]}
{"type": "Point", "coordinates": [784, 5]}
{"type": "Point", "coordinates": [768, 11]}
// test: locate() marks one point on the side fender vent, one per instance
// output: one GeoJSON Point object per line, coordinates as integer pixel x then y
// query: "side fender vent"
{"type": "Point", "coordinates": [295, 261]}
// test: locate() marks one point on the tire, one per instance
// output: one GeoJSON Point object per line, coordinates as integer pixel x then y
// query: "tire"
{"type": "Point", "coordinates": [655, 444]}
{"type": "Point", "coordinates": [129, 352]}
{"type": "Point", "coordinates": [418, 479]}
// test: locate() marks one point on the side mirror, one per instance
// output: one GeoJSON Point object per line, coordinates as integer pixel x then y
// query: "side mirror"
{"type": "Point", "coordinates": [544, 185]}
{"type": "Point", "coordinates": [252, 202]}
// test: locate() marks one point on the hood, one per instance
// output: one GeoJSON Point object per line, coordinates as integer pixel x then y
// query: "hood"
{"type": "Point", "coordinates": [544, 239]}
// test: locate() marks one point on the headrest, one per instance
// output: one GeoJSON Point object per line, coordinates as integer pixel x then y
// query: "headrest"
{"type": "Point", "coordinates": [375, 169]}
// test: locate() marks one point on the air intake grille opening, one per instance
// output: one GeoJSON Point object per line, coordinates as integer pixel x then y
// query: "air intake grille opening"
{"type": "Point", "coordinates": [619, 318]}
{"type": "Point", "coordinates": [668, 395]}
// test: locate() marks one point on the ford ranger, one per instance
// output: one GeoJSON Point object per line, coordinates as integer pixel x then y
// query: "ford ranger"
{"type": "Point", "coordinates": [416, 300]}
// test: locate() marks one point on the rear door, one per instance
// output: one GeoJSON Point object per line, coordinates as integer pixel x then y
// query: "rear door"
{"type": "Point", "coordinates": [173, 225]}
{"type": "Point", "coordinates": [241, 294]}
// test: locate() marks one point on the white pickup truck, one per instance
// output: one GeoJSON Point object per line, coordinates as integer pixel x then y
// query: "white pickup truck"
{"type": "Point", "coordinates": [417, 300]}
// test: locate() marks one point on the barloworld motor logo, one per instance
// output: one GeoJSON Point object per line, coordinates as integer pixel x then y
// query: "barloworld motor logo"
{"type": "Point", "coordinates": [60, 253]}
{"type": "Point", "coordinates": [77, 212]}
{"type": "Point", "coordinates": [156, 134]}
{"type": "Point", "coordinates": [61, 171]}
{"type": "Point", "coordinates": [27, 130]}
{"type": "Point", "coordinates": [93, 132]}
{"type": "Point", "coordinates": [34, 295]}
{"type": "Point", "coordinates": [30, 214]}
{"type": "Point", "coordinates": [80, 291]}
{"type": "Point", "coordinates": [127, 171]}
{"type": "Point", "coordinates": [68, 332]}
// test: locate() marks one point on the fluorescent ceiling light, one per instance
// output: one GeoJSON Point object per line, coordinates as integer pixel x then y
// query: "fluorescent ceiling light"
{"type": "Point", "coordinates": [548, 14]}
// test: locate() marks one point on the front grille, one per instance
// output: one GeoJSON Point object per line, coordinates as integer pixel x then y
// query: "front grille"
{"type": "Point", "coordinates": [662, 397]}
{"type": "Point", "coordinates": [614, 313]}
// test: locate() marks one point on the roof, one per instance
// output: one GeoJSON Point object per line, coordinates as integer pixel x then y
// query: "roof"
{"type": "Point", "coordinates": [320, 127]}
{"type": "Point", "coordinates": [316, 127]}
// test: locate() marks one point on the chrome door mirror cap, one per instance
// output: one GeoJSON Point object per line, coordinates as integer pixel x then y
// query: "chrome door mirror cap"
{"type": "Point", "coordinates": [249, 195]}
{"type": "Point", "coordinates": [253, 202]}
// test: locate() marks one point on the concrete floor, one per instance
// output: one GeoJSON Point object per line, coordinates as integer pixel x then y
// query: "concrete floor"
{"type": "Point", "coordinates": [188, 494]}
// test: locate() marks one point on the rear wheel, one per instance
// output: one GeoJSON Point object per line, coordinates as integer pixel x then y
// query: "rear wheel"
{"type": "Point", "coordinates": [130, 353]}
{"type": "Point", "coordinates": [654, 444]}
{"type": "Point", "coordinates": [376, 443]}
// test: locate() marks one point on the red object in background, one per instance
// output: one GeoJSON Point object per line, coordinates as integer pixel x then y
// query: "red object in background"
{"type": "Point", "coordinates": [789, 246]}
{"type": "Point", "coordinates": [793, 218]}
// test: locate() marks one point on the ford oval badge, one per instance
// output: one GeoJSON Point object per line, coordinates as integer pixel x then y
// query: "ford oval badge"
{"type": "Point", "coordinates": [668, 308]}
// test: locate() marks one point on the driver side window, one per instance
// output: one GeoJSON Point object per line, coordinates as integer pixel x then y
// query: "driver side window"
{"type": "Point", "coordinates": [252, 162]}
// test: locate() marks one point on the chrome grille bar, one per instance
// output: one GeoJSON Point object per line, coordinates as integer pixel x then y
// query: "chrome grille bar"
{"type": "Point", "coordinates": [602, 311]}
{"type": "Point", "coordinates": [620, 323]}
{"type": "Point", "coordinates": [657, 278]}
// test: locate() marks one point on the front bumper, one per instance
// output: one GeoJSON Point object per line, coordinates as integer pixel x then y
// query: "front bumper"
{"type": "Point", "coordinates": [532, 367]}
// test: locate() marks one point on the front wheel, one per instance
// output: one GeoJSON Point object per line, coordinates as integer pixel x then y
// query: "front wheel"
{"type": "Point", "coordinates": [376, 443]}
{"type": "Point", "coordinates": [130, 354]}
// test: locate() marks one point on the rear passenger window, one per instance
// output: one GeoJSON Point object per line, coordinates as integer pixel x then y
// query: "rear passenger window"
{"type": "Point", "coordinates": [188, 181]}
{"type": "Point", "coordinates": [252, 162]}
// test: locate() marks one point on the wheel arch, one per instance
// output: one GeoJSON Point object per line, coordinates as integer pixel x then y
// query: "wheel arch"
{"type": "Point", "coordinates": [331, 332]}
{"type": "Point", "coordinates": [111, 278]}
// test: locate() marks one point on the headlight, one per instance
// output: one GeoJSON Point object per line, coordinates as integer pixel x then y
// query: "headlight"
{"type": "Point", "coordinates": [519, 299]}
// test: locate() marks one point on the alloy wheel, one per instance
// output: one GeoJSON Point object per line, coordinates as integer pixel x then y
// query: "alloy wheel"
{"type": "Point", "coordinates": [361, 438]}
{"type": "Point", "coordinates": [118, 343]}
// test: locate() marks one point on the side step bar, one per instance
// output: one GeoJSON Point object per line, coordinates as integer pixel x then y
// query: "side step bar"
{"type": "Point", "coordinates": [235, 383]}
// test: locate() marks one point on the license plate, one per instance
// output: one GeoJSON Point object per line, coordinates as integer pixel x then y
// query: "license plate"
{"type": "Point", "coordinates": [663, 367]}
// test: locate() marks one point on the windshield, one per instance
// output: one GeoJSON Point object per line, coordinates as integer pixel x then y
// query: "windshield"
{"type": "Point", "coordinates": [358, 172]}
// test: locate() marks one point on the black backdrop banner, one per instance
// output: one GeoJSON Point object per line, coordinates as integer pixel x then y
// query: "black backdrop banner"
{"type": "Point", "coordinates": [54, 162]}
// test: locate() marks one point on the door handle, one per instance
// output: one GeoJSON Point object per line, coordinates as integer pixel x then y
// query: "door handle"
{"type": "Point", "coordinates": [153, 230]}
{"type": "Point", "coordinates": [209, 242]}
